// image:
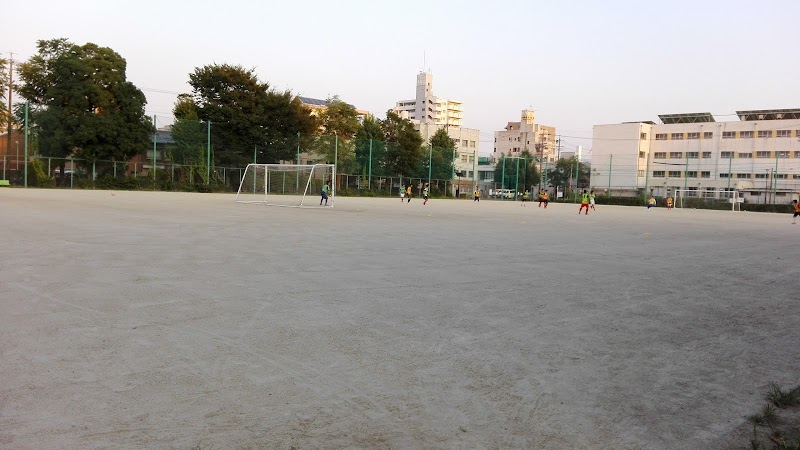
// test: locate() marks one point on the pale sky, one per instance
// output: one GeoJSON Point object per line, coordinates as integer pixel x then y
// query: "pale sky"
{"type": "Point", "coordinates": [577, 63]}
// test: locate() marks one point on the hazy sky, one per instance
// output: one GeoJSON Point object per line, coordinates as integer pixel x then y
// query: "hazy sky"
{"type": "Point", "coordinates": [577, 63]}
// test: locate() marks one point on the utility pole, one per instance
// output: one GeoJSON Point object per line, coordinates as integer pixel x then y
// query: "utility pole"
{"type": "Point", "coordinates": [10, 84]}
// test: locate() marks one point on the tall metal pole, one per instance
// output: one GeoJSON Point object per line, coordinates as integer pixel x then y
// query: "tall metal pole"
{"type": "Point", "coordinates": [297, 171]}
{"type": "Point", "coordinates": [577, 176]}
{"type": "Point", "coordinates": [775, 181]}
{"type": "Point", "coordinates": [516, 183]}
{"type": "Point", "coordinates": [453, 177]}
{"type": "Point", "coordinates": [208, 153]}
{"type": "Point", "coordinates": [503, 180]}
{"type": "Point", "coordinates": [545, 172]}
{"type": "Point", "coordinates": [730, 161]}
{"type": "Point", "coordinates": [430, 158]}
{"type": "Point", "coordinates": [335, 148]}
{"type": "Point", "coordinates": [26, 141]}
{"type": "Point", "coordinates": [685, 173]}
{"type": "Point", "coordinates": [474, 170]}
{"type": "Point", "coordinates": [155, 137]}
{"type": "Point", "coordinates": [610, 158]}
{"type": "Point", "coordinates": [369, 176]}
{"type": "Point", "coordinates": [10, 101]}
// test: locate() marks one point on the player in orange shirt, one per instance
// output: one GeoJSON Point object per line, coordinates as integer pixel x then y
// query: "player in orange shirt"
{"type": "Point", "coordinates": [543, 199]}
{"type": "Point", "coordinates": [796, 210]}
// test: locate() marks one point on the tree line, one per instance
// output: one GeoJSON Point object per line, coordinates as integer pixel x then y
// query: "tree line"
{"type": "Point", "coordinates": [81, 105]}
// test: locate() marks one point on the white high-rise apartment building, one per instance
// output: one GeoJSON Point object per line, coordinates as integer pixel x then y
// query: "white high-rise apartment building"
{"type": "Point", "coordinates": [430, 113]}
{"type": "Point", "coordinates": [758, 155]}
{"type": "Point", "coordinates": [428, 108]}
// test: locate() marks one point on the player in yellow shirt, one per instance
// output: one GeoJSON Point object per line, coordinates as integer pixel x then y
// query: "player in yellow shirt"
{"type": "Point", "coordinates": [651, 202]}
{"type": "Point", "coordinates": [584, 202]}
{"type": "Point", "coordinates": [525, 196]}
{"type": "Point", "coordinates": [543, 199]}
{"type": "Point", "coordinates": [796, 210]}
{"type": "Point", "coordinates": [477, 197]}
{"type": "Point", "coordinates": [408, 193]}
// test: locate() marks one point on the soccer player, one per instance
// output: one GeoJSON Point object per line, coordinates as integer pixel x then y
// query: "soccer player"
{"type": "Point", "coordinates": [408, 193]}
{"type": "Point", "coordinates": [525, 197]}
{"type": "Point", "coordinates": [584, 202]}
{"type": "Point", "coordinates": [402, 193]}
{"type": "Point", "coordinates": [326, 189]}
{"type": "Point", "coordinates": [591, 200]}
{"type": "Point", "coordinates": [796, 210]}
{"type": "Point", "coordinates": [669, 202]}
{"type": "Point", "coordinates": [477, 197]}
{"type": "Point", "coordinates": [425, 194]}
{"type": "Point", "coordinates": [543, 199]}
{"type": "Point", "coordinates": [651, 202]}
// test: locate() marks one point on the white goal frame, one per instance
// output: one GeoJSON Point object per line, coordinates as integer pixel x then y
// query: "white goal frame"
{"type": "Point", "coordinates": [735, 198]}
{"type": "Point", "coordinates": [267, 199]}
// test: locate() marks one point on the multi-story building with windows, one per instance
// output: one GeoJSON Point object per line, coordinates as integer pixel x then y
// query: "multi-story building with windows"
{"type": "Point", "coordinates": [758, 155]}
{"type": "Point", "coordinates": [430, 113]}
{"type": "Point", "coordinates": [526, 135]}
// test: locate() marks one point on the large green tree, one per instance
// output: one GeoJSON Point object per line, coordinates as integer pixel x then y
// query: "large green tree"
{"type": "Point", "coordinates": [246, 114]}
{"type": "Point", "coordinates": [338, 126]}
{"type": "Point", "coordinates": [520, 172]}
{"type": "Point", "coordinates": [403, 144]}
{"type": "Point", "coordinates": [563, 174]}
{"type": "Point", "coordinates": [370, 150]}
{"type": "Point", "coordinates": [82, 104]}
{"type": "Point", "coordinates": [442, 148]}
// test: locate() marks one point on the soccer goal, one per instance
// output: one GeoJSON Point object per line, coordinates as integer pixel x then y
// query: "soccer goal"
{"type": "Point", "coordinates": [293, 185]}
{"type": "Point", "coordinates": [688, 198]}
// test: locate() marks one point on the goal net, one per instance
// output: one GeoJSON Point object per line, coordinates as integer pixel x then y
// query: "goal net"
{"type": "Point", "coordinates": [694, 198]}
{"type": "Point", "coordinates": [294, 185]}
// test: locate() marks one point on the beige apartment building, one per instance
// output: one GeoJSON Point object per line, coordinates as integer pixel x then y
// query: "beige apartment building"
{"type": "Point", "coordinates": [517, 137]}
{"type": "Point", "coordinates": [757, 155]}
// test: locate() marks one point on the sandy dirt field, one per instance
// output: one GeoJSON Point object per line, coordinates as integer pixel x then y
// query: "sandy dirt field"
{"type": "Point", "coordinates": [175, 320]}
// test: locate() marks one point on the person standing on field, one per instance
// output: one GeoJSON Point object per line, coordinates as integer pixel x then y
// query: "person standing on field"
{"type": "Point", "coordinates": [525, 196]}
{"type": "Point", "coordinates": [651, 202]}
{"type": "Point", "coordinates": [591, 200]}
{"type": "Point", "coordinates": [543, 199]}
{"type": "Point", "coordinates": [326, 190]}
{"type": "Point", "coordinates": [584, 202]}
{"type": "Point", "coordinates": [425, 195]}
{"type": "Point", "coordinates": [477, 197]}
{"type": "Point", "coordinates": [796, 210]}
{"type": "Point", "coordinates": [408, 193]}
{"type": "Point", "coordinates": [402, 192]}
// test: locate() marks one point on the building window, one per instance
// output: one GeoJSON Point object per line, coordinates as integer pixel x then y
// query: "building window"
{"type": "Point", "coordinates": [661, 136]}
{"type": "Point", "coordinates": [706, 155]}
{"type": "Point", "coordinates": [692, 155]}
{"type": "Point", "coordinates": [658, 174]}
{"type": "Point", "coordinates": [674, 173]}
{"type": "Point", "coordinates": [705, 174]}
{"type": "Point", "coordinates": [691, 174]}
{"type": "Point", "coordinates": [708, 135]}
{"type": "Point", "coordinates": [745, 135]}
{"type": "Point", "coordinates": [675, 155]}
{"type": "Point", "coordinates": [660, 155]}
{"type": "Point", "coordinates": [709, 192]}
{"type": "Point", "coordinates": [781, 154]}
{"type": "Point", "coordinates": [641, 155]}
{"type": "Point", "coordinates": [797, 154]}
{"type": "Point", "coordinates": [464, 143]}
{"type": "Point", "coordinates": [472, 144]}
{"type": "Point", "coordinates": [643, 136]}
{"type": "Point", "coordinates": [742, 175]}
{"type": "Point", "coordinates": [755, 193]}
{"type": "Point", "coordinates": [469, 174]}
{"type": "Point", "coordinates": [761, 176]}
{"type": "Point", "coordinates": [784, 133]}
{"type": "Point", "coordinates": [724, 175]}
{"type": "Point", "coordinates": [691, 192]}
{"type": "Point", "coordinates": [746, 155]}
{"type": "Point", "coordinates": [796, 177]}
{"type": "Point", "coordinates": [463, 158]}
{"type": "Point", "coordinates": [677, 136]}
{"type": "Point", "coordinates": [728, 135]}
{"type": "Point", "coordinates": [765, 133]}
{"type": "Point", "coordinates": [640, 173]}
{"type": "Point", "coordinates": [781, 176]}
{"type": "Point", "coordinates": [726, 155]}
{"type": "Point", "coordinates": [763, 154]}
{"type": "Point", "coordinates": [692, 135]}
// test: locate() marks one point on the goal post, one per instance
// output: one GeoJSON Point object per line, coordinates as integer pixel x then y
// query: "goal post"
{"type": "Point", "coordinates": [691, 198]}
{"type": "Point", "coordinates": [291, 185]}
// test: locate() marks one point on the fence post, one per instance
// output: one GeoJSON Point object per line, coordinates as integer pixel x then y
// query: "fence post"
{"type": "Point", "coordinates": [155, 138]}
{"type": "Point", "coordinates": [610, 158]}
{"type": "Point", "coordinates": [369, 179]}
{"type": "Point", "coordinates": [26, 142]}
{"type": "Point", "coordinates": [4, 167]}
{"type": "Point", "coordinates": [71, 173]}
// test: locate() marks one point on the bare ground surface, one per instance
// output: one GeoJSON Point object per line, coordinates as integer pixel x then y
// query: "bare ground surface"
{"type": "Point", "coordinates": [175, 320]}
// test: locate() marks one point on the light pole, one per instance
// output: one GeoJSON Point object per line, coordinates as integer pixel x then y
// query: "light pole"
{"type": "Point", "coordinates": [16, 160]}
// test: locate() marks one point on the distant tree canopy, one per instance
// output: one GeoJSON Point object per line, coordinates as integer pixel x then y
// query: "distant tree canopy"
{"type": "Point", "coordinates": [81, 103]}
{"type": "Point", "coordinates": [519, 172]}
{"type": "Point", "coordinates": [563, 174]}
{"type": "Point", "coordinates": [246, 115]}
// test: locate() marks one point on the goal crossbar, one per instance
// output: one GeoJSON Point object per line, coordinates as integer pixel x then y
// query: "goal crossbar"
{"type": "Point", "coordinates": [288, 185]}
